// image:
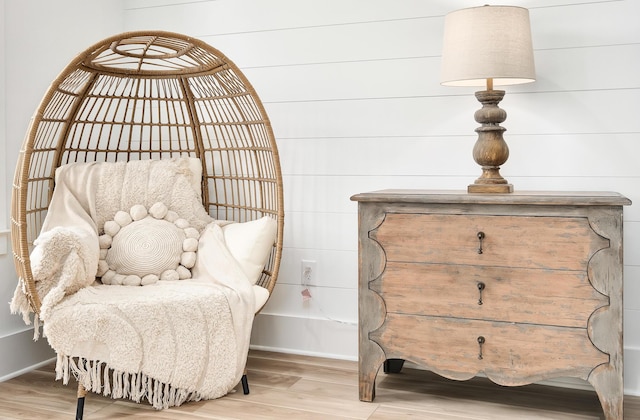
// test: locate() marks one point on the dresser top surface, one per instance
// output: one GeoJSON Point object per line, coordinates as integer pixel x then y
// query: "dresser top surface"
{"type": "Point", "coordinates": [548, 198]}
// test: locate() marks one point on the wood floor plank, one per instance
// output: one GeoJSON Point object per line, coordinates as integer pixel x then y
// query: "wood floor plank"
{"type": "Point", "coordinates": [265, 408]}
{"type": "Point", "coordinates": [20, 411]}
{"type": "Point", "coordinates": [270, 379]}
{"type": "Point", "coordinates": [323, 389]}
{"type": "Point", "coordinates": [303, 387]}
{"type": "Point", "coordinates": [395, 413]}
{"type": "Point", "coordinates": [27, 391]}
{"type": "Point", "coordinates": [122, 409]}
{"type": "Point", "coordinates": [334, 407]}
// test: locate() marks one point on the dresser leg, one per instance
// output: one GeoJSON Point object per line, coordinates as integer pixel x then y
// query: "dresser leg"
{"type": "Point", "coordinates": [612, 406]}
{"type": "Point", "coordinates": [609, 386]}
{"type": "Point", "coordinates": [393, 365]}
{"type": "Point", "coordinates": [368, 365]}
{"type": "Point", "coordinates": [367, 390]}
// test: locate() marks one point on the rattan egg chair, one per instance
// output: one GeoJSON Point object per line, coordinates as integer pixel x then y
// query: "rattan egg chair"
{"type": "Point", "coordinates": [149, 96]}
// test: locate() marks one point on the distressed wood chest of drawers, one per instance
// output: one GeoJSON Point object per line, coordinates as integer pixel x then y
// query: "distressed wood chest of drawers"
{"type": "Point", "coordinates": [519, 287]}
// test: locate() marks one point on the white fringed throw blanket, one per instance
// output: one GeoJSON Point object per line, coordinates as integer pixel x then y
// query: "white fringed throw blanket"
{"type": "Point", "coordinates": [169, 342]}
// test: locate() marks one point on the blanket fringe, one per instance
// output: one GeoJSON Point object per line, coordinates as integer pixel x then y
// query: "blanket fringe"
{"type": "Point", "coordinates": [99, 378]}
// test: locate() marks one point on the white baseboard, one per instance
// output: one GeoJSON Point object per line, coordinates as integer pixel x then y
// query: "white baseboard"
{"type": "Point", "coordinates": [632, 371]}
{"type": "Point", "coordinates": [20, 354]}
{"type": "Point", "coordinates": [305, 336]}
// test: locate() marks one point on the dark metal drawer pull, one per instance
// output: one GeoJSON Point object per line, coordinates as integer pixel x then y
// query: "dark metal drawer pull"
{"type": "Point", "coordinates": [481, 287]}
{"type": "Point", "coordinates": [480, 238]}
{"type": "Point", "coordinates": [480, 343]}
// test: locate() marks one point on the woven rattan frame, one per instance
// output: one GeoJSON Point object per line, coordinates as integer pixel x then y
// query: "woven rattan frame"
{"type": "Point", "coordinates": [151, 95]}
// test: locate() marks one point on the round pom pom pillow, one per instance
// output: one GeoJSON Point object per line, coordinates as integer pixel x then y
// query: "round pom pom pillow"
{"type": "Point", "coordinates": [142, 246]}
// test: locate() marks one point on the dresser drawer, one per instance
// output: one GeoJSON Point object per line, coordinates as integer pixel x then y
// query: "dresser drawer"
{"type": "Point", "coordinates": [511, 354]}
{"type": "Point", "coordinates": [558, 243]}
{"type": "Point", "coordinates": [551, 297]}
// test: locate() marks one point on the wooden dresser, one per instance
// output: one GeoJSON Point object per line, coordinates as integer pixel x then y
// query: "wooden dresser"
{"type": "Point", "coordinates": [520, 287]}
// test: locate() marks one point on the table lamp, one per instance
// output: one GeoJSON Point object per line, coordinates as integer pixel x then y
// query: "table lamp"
{"type": "Point", "coordinates": [488, 46]}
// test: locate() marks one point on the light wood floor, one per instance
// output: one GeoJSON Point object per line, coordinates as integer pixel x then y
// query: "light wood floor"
{"type": "Point", "coordinates": [300, 387]}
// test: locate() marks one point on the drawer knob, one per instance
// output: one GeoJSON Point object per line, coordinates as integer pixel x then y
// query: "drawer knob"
{"type": "Point", "coordinates": [481, 341]}
{"type": "Point", "coordinates": [480, 239]}
{"type": "Point", "coordinates": [481, 287]}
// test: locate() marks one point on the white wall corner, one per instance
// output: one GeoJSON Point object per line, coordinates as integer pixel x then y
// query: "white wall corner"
{"type": "Point", "coordinates": [20, 354]}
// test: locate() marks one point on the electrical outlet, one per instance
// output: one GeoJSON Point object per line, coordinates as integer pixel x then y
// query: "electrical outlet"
{"type": "Point", "coordinates": [308, 273]}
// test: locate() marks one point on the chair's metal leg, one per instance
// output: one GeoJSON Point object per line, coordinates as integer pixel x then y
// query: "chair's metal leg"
{"type": "Point", "coordinates": [80, 407]}
{"type": "Point", "coordinates": [245, 384]}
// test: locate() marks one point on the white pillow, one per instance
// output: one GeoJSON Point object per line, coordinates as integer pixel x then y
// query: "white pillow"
{"type": "Point", "coordinates": [141, 246]}
{"type": "Point", "coordinates": [262, 232]}
{"type": "Point", "coordinates": [261, 296]}
{"type": "Point", "coordinates": [250, 243]}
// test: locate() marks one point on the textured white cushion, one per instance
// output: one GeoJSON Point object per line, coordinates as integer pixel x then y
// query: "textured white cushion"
{"type": "Point", "coordinates": [175, 182]}
{"type": "Point", "coordinates": [250, 243]}
{"type": "Point", "coordinates": [146, 247]}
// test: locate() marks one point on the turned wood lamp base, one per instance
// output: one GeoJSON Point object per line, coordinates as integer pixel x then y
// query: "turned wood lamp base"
{"type": "Point", "coordinates": [490, 150]}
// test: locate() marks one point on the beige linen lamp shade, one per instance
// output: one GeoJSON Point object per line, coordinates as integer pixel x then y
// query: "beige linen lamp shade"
{"type": "Point", "coordinates": [487, 42]}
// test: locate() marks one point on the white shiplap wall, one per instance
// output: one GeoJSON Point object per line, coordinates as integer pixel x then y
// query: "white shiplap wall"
{"type": "Point", "coordinates": [352, 89]}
